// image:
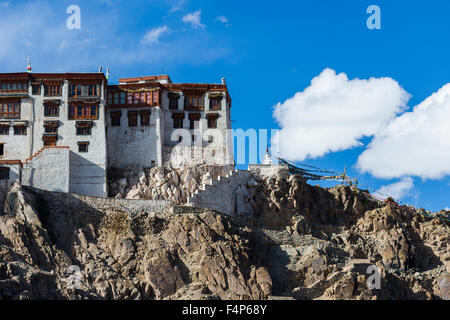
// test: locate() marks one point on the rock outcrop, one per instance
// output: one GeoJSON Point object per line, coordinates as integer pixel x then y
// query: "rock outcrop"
{"type": "Point", "coordinates": [297, 241]}
{"type": "Point", "coordinates": [161, 183]}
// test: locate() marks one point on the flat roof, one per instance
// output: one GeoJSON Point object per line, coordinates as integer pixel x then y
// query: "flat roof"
{"type": "Point", "coordinates": [145, 78]}
{"type": "Point", "coordinates": [26, 75]}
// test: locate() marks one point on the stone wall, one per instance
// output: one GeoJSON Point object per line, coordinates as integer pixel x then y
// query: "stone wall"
{"type": "Point", "coordinates": [227, 195]}
{"type": "Point", "coordinates": [49, 170]}
{"type": "Point", "coordinates": [68, 201]}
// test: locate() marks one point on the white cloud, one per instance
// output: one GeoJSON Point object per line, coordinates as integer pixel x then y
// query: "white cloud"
{"type": "Point", "coordinates": [224, 20]}
{"type": "Point", "coordinates": [334, 113]}
{"type": "Point", "coordinates": [153, 35]}
{"type": "Point", "coordinates": [194, 19]}
{"type": "Point", "coordinates": [398, 189]}
{"type": "Point", "coordinates": [416, 143]}
{"type": "Point", "coordinates": [177, 6]}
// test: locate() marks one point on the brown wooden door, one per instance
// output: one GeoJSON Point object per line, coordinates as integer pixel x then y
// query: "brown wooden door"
{"type": "Point", "coordinates": [49, 141]}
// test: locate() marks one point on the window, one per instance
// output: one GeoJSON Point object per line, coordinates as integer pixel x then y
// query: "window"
{"type": "Point", "coordinates": [116, 98]}
{"type": "Point", "coordinates": [178, 120]}
{"type": "Point", "coordinates": [83, 146]}
{"type": "Point", "coordinates": [215, 102]}
{"type": "Point", "coordinates": [14, 87]}
{"type": "Point", "coordinates": [132, 118]}
{"type": "Point", "coordinates": [210, 139]}
{"type": "Point", "coordinates": [212, 121]}
{"type": "Point", "coordinates": [50, 141]}
{"type": "Point", "coordinates": [20, 130]}
{"type": "Point", "coordinates": [123, 97]}
{"type": "Point", "coordinates": [2, 149]}
{"type": "Point", "coordinates": [195, 102]}
{"type": "Point", "coordinates": [173, 101]}
{"type": "Point", "coordinates": [145, 118]}
{"type": "Point", "coordinates": [51, 127]}
{"type": "Point", "coordinates": [193, 120]}
{"type": "Point", "coordinates": [10, 110]}
{"type": "Point", "coordinates": [110, 98]}
{"type": "Point", "coordinates": [129, 98]}
{"type": "Point", "coordinates": [4, 173]}
{"type": "Point", "coordinates": [36, 89]}
{"type": "Point", "coordinates": [87, 112]}
{"type": "Point", "coordinates": [51, 130]}
{"type": "Point", "coordinates": [52, 89]}
{"type": "Point", "coordinates": [4, 130]}
{"type": "Point", "coordinates": [115, 118]}
{"type": "Point", "coordinates": [84, 90]}
{"type": "Point", "coordinates": [51, 110]}
{"type": "Point", "coordinates": [84, 131]}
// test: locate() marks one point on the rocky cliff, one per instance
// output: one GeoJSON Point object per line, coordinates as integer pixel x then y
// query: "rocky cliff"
{"type": "Point", "coordinates": [299, 242]}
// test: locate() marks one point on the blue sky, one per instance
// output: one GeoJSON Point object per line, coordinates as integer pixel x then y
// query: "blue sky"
{"type": "Point", "coordinates": [268, 51]}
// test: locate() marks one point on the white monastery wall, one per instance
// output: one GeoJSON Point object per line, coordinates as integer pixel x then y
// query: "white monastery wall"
{"type": "Point", "coordinates": [49, 170]}
{"type": "Point", "coordinates": [138, 146]}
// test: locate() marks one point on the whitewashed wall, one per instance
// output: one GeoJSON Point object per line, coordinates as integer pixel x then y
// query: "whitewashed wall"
{"type": "Point", "coordinates": [50, 170]}
{"type": "Point", "coordinates": [88, 170]}
{"type": "Point", "coordinates": [18, 147]}
{"type": "Point", "coordinates": [134, 146]}
{"type": "Point", "coordinates": [178, 154]}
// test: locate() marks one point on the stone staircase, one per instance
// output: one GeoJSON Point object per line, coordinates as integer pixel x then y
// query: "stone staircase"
{"type": "Point", "coordinates": [36, 154]}
{"type": "Point", "coordinates": [218, 195]}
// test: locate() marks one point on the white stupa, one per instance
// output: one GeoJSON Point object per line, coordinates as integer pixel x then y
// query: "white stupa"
{"type": "Point", "coordinates": [267, 158]}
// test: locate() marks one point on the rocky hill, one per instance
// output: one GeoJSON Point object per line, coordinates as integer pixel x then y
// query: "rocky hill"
{"type": "Point", "coordinates": [301, 242]}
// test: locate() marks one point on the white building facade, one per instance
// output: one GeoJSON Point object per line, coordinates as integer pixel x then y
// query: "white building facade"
{"type": "Point", "coordinates": [42, 113]}
{"type": "Point", "coordinates": [62, 132]}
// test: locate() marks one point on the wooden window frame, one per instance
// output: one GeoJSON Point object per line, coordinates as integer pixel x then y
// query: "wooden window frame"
{"type": "Point", "coordinates": [14, 86]}
{"type": "Point", "coordinates": [194, 102]}
{"type": "Point", "coordinates": [4, 130]}
{"type": "Point", "coordinates": [81, 145]}
{"type": "Point", "coordinates": [88, 89]}
{"type": "Point", "coordinates": [10, 110]}
{"type": "Point", "coordinates": [51, 110]}
{"type": "Point", "coordinates": [50, 141]}
{"type": "Point", "coordinates": [86, 111]}
{"type": "Point", "coordinates": [4, 173]}
{"type": "Point", "coordinates": [132, 118]}
{"type": "Point", "coordinates": [178, 120]}
{"type": "Point", "coordinates": [212, 120]}
{"type": "Point", "coordinates": [215, 103]}
{"type": "Point", "coordinates": [145, 118]}
{"type": "Point", "coordinates": [193, 118]}
{"type": "Point", "coordinates": [52, 89]}
{"type": "Point", "coordinates": [173, 101]}
{"type": "Point", "coordinates": [84, 131]}
{"type": "Point", "coordinates": [50, 130]}
{"type": "Point", "coordinates": [20, 130]}
{"type": "Point", "coordinates": [115, 115]}
{"type": "Point", "coordinates": [38, 92]}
